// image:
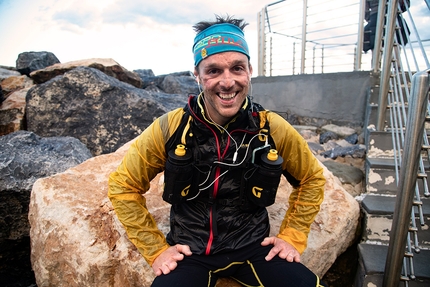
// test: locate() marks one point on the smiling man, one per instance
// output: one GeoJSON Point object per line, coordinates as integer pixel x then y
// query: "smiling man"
{"type": "Point", "coordinates": [222, 157]}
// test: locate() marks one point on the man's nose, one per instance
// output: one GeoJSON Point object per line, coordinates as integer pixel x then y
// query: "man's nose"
{"type": "Point", "coordinates": [227, 80]}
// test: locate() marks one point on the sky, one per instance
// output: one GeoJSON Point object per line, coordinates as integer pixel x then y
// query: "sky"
{"type": "Point", "coordinates": [138, 34]}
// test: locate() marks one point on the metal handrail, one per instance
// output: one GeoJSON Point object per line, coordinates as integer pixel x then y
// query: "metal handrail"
{"type": "Point", "coordinates": [418, 104]}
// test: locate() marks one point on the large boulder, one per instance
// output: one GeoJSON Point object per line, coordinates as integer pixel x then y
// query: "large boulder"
{"type": "Point", "coordinates": [107, 66]}
{"type": "Point", "coordinates": [28, 62]}
{"type": "Point", "coordinates": [12, 111]}
{"type": "Point", "coordinates": [15, 83]}
{"type": "Point", "coordinates": [77, 240]}
{"type": "Point", "coordinates": [24, 158]}
{"type": "Point", "coordinates": [101, 111]}
{"type": "Point", "coordinates": [174, 83]}
{"type": "Point", "coordinates": [185, 84]}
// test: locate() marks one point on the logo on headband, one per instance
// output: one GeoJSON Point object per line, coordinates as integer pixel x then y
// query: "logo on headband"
{"type": "Point", "coordinates": [215, 40]}
{"type": "Point", "coordinates": [204, 53]}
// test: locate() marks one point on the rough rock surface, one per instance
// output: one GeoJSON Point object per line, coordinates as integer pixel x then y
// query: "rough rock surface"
{"type": "Point", "coordinates": [107, 66]}
{"type": "Point", "coordinates": [6, 73]}
{"type": "Point", "coordinates": [76, 239]}
{"type": "Point", "coordinates": [342, 131]}
{"type": "Point", "coordinates": [25, 157]}
{"type": "Point", "coordinates": [28, 62]}
{"type": "Point", "coordinates": [99, 110]}
{"type": "Point", "coordinates": [351, 177]}
{"type": "Point", "coordinates": [15, 83]}
{"type": "Point", "coordinates": [12, 112]}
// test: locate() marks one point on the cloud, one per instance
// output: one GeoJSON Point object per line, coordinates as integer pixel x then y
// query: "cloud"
{"type": "Point", "coordinates": [74, 21]}
{"type": "Point", "coordinates": [164, 12]}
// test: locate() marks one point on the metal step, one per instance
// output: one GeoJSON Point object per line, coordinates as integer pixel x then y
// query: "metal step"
{"type": "Point", "coordinates": [381, 176]}
{"type": "Point", "coordinates": [372, 264]}
{"type": "Point", "coordinates": [378, 217]}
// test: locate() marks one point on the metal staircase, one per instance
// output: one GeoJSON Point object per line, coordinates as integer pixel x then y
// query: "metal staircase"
{"type": "Point", "coordinates": [395, 246]}
{"type": "Point", "coordinates": [383, 175]}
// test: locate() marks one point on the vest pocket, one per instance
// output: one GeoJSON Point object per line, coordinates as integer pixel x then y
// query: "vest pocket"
{"type": "Point", "coordinates": [177, 183]}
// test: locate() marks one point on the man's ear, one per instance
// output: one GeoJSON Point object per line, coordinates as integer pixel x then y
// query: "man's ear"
{"type": "Point", "coordinates": [196, 74]}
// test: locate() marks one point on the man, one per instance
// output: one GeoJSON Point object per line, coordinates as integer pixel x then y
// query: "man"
{"type": "Point", "coordinates": [223, 157]}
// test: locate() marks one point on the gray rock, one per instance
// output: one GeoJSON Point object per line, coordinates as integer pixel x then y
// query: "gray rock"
{"type": "Point", "coordinates": [346, 173]}
{"type": "Point", "coordinates": [6, 73]}
{"type": "Point", "coordinates": [315, 147]}
{"type": "Point", "coordinates": [24, 158]}
{"type": "Point", "coordinates": [180, 85]}
{"type": "Point", "coordinates": [327, 136]}
{"type": "Point", "coordinates": [144, 73]}
{"type": "Point", "coordinates": [101, 111]}
{"type": "Point", "coordinates": [171, 101]}
{"type": "Point", "coordinates": [28, 62]}
{"type": "Point", "coordinates": [174, 83]}
{"type": "Point", "coordinates": [355, 151]}
{"type": "Point", "coordinates": [352, 139]}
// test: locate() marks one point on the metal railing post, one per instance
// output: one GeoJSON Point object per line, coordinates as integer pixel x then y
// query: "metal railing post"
{"type": "Point", "coordinates": [408, 177]}
{"type": "Point", "coordinates": [261, 20]}
{"type": "Point", "coordinates": [304, 25]}
{"type": "Point", "coordinates": [386, 68]}
{"type": "Point", "coordinates": [376, 53]}
{"type": "Point", "coordinates": [360, 36]}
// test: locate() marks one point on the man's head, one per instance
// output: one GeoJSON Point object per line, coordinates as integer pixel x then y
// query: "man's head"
{"type": "Point", "coordinates": [222, 66]}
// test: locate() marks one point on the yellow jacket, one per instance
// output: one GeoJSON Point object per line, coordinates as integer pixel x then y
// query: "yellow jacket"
{"type": "Point", "coordinates": [147, 157]}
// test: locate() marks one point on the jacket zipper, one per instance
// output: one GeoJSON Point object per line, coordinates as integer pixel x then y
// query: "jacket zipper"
{"type": "Point", "coordinates": [211, 215]}
{"type": "Point", "coordinates": [212, 220]}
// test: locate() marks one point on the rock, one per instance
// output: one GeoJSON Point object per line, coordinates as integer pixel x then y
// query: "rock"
{"type": "Point", "coordinates": [180, 85]}
{"type": "Point", "coordinates": [306, 131]}
{"type": "Point", "coordinates": [28, 62]}
{"type": "Point", "coordinates": [99, 110]}
{"type": "Point", "coordinates": [77, 240]}
{"type": "Point", "coordinates": [352, 139]}
{"type": "Point", "coordinates": [15, 83]}
{"type": "Point", "coordinates": [144, 73]}
{"type": "Point", "coordinates": [350, 177]}
{"type": "Point", "coordinates": [6, 73]}
{"type": "Point", "coordinates": [343, 132]}
{"type": "Point", "coordinates": [12, 112]}
{"type": "Point", "coordinates": [315, 148]}
{"type": "Point", "coordinates": [175, 83]}
{"type": "Point", "coordinates": [328, 136]}
{"type": "Point", "coordinates": [25, 157]}
{"type": "Point", "coordinates": [107, 66]}
{"type": "Point", "coordinates": [354, 151]}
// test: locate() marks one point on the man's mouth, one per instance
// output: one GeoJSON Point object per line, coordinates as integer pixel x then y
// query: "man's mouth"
{"type": "Point", "coordinates": [227, 96]}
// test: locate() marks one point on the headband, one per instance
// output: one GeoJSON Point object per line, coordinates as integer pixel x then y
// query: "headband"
{"type": "Point", "coordinates": [219, 38]}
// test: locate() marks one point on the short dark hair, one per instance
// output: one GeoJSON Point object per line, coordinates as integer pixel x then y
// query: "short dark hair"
{"type": "Point", "coordinates": [200, 26]}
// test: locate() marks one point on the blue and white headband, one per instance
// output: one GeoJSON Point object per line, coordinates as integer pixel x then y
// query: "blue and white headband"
{"type": "Point", "coordinates": [219, 38]}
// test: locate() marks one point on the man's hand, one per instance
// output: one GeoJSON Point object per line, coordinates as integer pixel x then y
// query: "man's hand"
{"type": "Point", "coordinates": [167, 260]}
{"type": "Point", "coordinates": [281, 248]}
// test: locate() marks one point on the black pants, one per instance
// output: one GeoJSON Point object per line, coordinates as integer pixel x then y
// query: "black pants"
{"type": "Point", "coordinates": [247, 266]}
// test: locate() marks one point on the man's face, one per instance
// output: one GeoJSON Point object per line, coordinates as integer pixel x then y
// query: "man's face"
{"type": "Point", "coordinates": [225, 79]}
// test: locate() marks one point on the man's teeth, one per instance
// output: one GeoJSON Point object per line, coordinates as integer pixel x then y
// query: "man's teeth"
{"type": "Point", "coordinates": [227, 96]}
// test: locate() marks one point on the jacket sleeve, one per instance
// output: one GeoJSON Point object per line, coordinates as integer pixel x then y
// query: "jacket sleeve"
{"type": "Point", "coordinates": [127, 185]}
{"type": "Point", "coordinates": [305, 174]}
